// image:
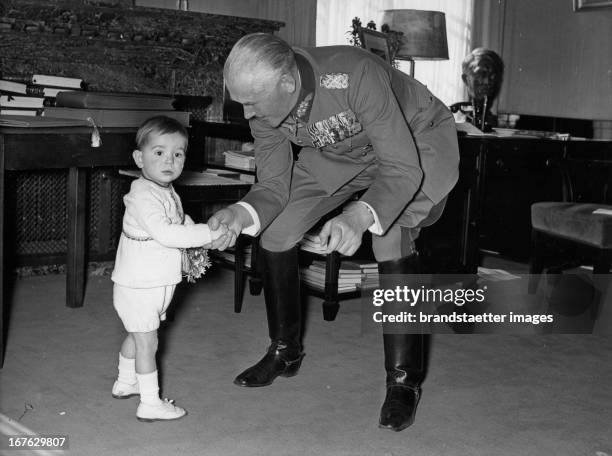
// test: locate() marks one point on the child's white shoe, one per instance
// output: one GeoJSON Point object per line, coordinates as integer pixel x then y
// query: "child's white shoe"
{"type": "Point", "coordinates": [165, 411]}
{"type": "Point", "coordinates": [123, 390]}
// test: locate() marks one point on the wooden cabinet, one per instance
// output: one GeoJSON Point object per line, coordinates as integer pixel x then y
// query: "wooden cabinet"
{"type": "Point", "coordinates": [516, 174]}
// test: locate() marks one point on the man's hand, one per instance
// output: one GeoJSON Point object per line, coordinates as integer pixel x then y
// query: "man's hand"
{"type": "Point", "coordinates": [344, 232]}
{"type": "Point", "coordinates": [235, 217]}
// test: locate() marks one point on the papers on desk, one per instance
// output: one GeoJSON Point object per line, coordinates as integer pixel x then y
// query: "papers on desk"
{"type": "Point", "coordinates": [471, 130]}
{"type": "Point", "coordinates": [468, 128]}
{"type": "Point", "coordinates": [514, 133]}
{"type": "Point", "coordinates": [191, 178]}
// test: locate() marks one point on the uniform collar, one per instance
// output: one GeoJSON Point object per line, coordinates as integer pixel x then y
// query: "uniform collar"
{"type": "Point", "coordinates": [301, 111]}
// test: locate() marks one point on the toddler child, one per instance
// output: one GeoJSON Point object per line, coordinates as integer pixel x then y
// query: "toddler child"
{"type": "Point", "coordinates": [148, 263]}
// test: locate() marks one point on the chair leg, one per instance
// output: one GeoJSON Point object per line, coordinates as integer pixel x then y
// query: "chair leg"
{"type": "Point", "coordinates": [536, 265]}
{"type": "Point", "coordinates": [601, 278]}
{"type": "Point", "coordinates": [601, 265]}
{"type": "Point", "coordinates": [255, 286]}
{"type": "Point", "coordinates": [332, 270]}
{"type": "Point", "coordinates": [330, 310]}
{"type": "Point", "coordinates": [238, 277]}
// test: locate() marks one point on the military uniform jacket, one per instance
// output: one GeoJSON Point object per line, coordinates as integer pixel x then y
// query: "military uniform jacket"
{"type": "Point", "coordinates": [356, 111]}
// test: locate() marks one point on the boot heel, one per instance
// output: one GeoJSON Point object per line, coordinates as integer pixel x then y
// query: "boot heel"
{"type": "Point", "coordinates": [292, 367]}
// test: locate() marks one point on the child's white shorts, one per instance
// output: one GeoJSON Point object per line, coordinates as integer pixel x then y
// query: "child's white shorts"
{"type": "Point", "coordinates": [141, 309]}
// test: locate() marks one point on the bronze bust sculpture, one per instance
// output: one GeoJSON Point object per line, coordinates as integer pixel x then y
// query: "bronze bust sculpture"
{"type": "Point", "coordinates": [482, 73]}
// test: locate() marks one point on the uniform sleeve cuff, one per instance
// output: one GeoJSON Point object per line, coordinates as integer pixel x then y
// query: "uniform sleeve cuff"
{"type": "Point", "coordinates": [374, 228]}
{"type": "Point", "coordinates": [251, 230]}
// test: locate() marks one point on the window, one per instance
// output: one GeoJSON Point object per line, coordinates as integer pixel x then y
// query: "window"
{"type": "Point", "coordinates": [443, 78]}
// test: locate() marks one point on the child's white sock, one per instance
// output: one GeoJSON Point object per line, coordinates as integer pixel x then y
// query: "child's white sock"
{"type": "Point", "coordinates": [127, 370]}
{"type": "Point", "coordinates": [149, 388]}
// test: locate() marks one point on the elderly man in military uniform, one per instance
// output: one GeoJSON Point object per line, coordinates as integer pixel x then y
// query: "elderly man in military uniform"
{"type": "Point", "coordinates": [362, 125]}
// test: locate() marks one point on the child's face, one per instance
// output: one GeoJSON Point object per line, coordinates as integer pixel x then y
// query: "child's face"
{"type": "Point", "coordinates": [162, 158]}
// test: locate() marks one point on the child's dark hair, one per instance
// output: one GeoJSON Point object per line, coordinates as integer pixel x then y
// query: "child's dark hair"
{"type": "Point", "coordinates": [161, 125]}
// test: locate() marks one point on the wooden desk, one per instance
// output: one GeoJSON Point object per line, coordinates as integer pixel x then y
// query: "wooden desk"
{"type": "Point", "coordinates": [53, 148]}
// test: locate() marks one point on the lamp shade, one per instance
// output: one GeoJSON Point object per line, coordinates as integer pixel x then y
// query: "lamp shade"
{"type": "Point", "coordinates": [424, 33]}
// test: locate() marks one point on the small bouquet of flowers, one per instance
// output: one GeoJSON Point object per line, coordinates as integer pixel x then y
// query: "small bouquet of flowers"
{"type": "Point", "coordinates": [195, 263]}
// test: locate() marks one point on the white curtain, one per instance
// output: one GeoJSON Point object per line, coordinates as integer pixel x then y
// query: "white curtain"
{"type": "Point", "coordinates": [443, 77]}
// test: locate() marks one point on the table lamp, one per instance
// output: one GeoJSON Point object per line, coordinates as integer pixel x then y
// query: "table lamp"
{"type": "Point", "coordinates": [424, 34]}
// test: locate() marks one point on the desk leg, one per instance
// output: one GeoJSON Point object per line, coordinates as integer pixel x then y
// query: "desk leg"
{"type": "Point", "coordinates": [75, 263]}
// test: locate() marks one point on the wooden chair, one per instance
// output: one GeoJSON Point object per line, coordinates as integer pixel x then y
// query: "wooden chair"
{"type": "Point", "coordinates": [577, 230]}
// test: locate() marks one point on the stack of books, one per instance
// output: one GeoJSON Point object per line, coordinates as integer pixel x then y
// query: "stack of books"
{"type": "Point", "coordinates": [240, 159]}
{"type": "Point", "coordinates": [64, 98]}
{"type": "Point", "coordinates": [228, 255]}
{"type": "Point", "coordinates": [30, 95]}
{"type": "Point", "coordinates": [352, 275]}
{"type": "Point", "coordinates": [369, 274]}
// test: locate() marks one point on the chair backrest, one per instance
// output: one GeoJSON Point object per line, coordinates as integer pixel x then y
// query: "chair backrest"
{"type": "Point", "coordinates": [587, 172]}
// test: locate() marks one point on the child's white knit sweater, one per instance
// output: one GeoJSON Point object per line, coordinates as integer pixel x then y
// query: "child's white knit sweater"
{"type": "Point", "coordinates": [154, 228]}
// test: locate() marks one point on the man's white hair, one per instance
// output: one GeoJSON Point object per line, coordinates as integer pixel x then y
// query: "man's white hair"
{"type": "Point", "coordinates": [259, 58]}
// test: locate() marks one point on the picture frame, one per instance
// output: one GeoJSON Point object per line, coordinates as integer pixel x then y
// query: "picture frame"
{"type": "Point", "coordinates": [375, 42]}
{"type": "Point", "coordinates": [581, 5]}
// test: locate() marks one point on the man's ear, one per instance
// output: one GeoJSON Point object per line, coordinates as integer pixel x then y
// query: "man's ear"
{"type": "Point", "coordinates": [288, 83]}
{"type": "Point", "coordinates": [137, 156]}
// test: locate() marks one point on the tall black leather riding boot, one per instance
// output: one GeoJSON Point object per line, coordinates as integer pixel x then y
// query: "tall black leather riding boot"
{"type": "Point", "coordinates": [281, 282]}
{"type": "Point", "coordinates": [405, 357]}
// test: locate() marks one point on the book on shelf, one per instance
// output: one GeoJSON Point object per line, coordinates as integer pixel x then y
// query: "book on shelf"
{"type": "Point", "coordinates": [240, 159]}
{"type": "Point", "coordinates": [366, 266]}
{"type": "Point", "coordinates": [19, 111]}
{"type": "Point", "coordinates": [317, 276]}
{"type": "Point", "coordinates": [314, 275]}
{"type": "Point", "coordinates": [114, 100]}
{"type": "Point", "coordinates": [319, 267]}
{"type": "Point", "coordinates": [320, 285]}
{"type": "Point", "coordinates": [224, 173]}
{"type": "Point", "coordinates": [13, 87]}
{"type": "Point", "coordinates": [246, 178]}
{"type": "Point", "coordinates": [114, 117]}
{"type": "Point", "coordinates": [44, 91]}
{"type": "Point", "coordinates": [20, 101]}
{"type": "Point", "coordinates": [40, 122]}
{"type": "Point", "coordinates": [58, 81]}
{"type": "Point", "coordinates": [352, 274]}
{"type": "Point", "coordinates": [229, 255]}
{"type": "Point", "coordinates": [46, 80]}
{"type": "Point", "coordinates": [351, 266]}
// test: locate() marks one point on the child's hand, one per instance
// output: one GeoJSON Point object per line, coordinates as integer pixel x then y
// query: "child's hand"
{"type": "Point", "coordinates": [221, 231]}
